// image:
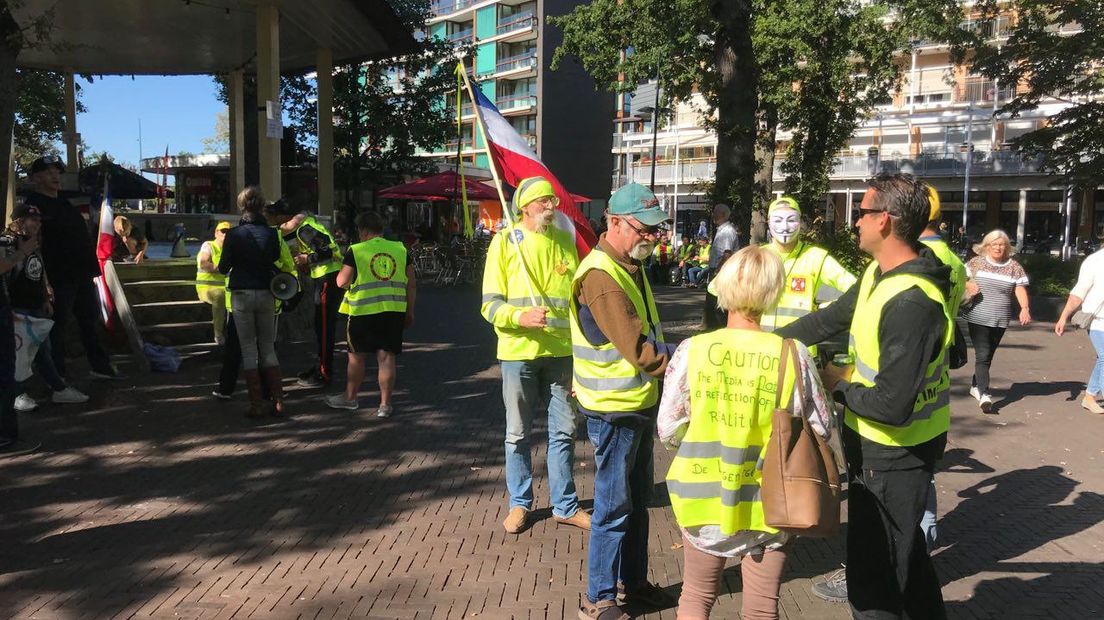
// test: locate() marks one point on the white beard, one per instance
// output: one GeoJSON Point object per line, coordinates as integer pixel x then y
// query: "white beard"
{"type": "Point", "coordinates": [641, 250]}
{"type": "Point", "coordinates": [544, 221]}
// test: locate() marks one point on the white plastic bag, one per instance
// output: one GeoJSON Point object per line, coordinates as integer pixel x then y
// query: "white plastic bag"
{"type": "Point", "coordinates": [30, 332]}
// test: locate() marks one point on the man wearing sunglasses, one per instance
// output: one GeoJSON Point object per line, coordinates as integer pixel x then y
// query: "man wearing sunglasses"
{"type": "Point", "coordinates": [896, 400]}
{"type": "Point", "coordinates": [619, 358]}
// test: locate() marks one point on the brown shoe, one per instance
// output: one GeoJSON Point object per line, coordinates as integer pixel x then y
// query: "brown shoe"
{"type": "Point", "coordinates": [1088, 402]}
{"type": "Point", "coordinates": [602, 610]}
{"type": "Point", "coordinates": [516, 521]}
{"type": "Point", "coordinates": [275, 384]}
{"type": "Point", "coordinates": [257, 404]}
{"type": "Point", "coordinates": [580, 520]}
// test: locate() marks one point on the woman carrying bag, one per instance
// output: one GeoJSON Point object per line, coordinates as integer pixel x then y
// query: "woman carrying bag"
{"type": "Point", "coordinates": [1088, 294]}
{"type": "Point", "coordinates": [718, 400]}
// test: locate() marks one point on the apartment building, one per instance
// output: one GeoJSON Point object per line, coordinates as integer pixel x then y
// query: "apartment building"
{"type": "Point", "coordinates": [941, 113]}
{"type": "Point", "coordinates": [560, 113]}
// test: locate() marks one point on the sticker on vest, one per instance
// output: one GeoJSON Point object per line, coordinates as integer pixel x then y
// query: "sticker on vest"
{"type": "Point", "coordinates": [561, 268]}
{"type": "Point", "coordinates": [517, 236]}
{"type": "Point", "coordinates": [383, 266]}
{"type": "Point", "coordinates": [797, 284]}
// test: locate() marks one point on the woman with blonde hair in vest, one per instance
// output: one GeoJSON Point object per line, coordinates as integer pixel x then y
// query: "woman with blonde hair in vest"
{"type": "Point", "coordinates": [716, 408]}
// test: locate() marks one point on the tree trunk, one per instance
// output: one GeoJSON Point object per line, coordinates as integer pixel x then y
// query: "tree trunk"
{"type": "Point", "coordinates": [10, 43]}
{"type": "Point", "coordinates": [737, 101]}
{"type": "Point", "coordinates": [764, 175]}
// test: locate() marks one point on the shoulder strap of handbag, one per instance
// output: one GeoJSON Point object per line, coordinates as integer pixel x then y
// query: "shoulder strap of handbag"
{"type": "Point", "coordinates": [789, 356]}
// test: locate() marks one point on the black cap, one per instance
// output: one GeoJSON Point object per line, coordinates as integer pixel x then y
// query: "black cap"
{"type": "Point", "coordinates": [45, 162]}
{"type": "Point", "coordinates": [25, 210]}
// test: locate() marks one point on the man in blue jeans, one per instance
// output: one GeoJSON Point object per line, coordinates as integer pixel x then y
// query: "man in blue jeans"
{"type": "Point", "coordinates": [619, 358]}
{"type": "Point", "coordinates": [526, 285]}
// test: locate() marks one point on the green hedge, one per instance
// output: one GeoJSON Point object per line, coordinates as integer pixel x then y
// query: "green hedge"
{"type": "Point", "coordinates": [1050, 276]}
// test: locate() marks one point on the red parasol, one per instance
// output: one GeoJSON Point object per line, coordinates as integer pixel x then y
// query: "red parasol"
{"type": "Point", "coordinates": [443, 186]}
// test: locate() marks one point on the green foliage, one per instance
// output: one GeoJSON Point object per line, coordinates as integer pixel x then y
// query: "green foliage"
{"type": "Point", "coordinates": [39, 114]}
{"type": "Point", "coordinates": [842, 243]}
{"type": "Point", "coordinates": [1050, 275]}
{"type": "Point", "coordinates": [1047, 62]}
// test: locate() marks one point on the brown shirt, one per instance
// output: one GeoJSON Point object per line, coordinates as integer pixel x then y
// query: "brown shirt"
{"type": "Point", "coordinates": [616, 316]}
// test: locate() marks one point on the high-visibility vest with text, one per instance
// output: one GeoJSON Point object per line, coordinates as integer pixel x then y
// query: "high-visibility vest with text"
{"type": "Point", "coordinates": [380, 284]}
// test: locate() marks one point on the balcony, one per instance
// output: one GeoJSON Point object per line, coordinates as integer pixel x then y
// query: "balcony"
{"type": "Point", "coordinates": [530, 139]}
{"type": "Point", "coordinates": [445, 7]}
{"type": "Point", "coordinates": [516, 22]}
{"type": "Point", "coordinates": [999, 28]}
{"type": "Point", "coordinates": [982, 90]}
{"type": "Point", "coordinates": [689, 171]}
{"type": "Point", "coordinates": [465, 109]}
{"type": "Point", "coordinates": [516, 102]}
{"type": "Point", "coordinates": [984, 163]}
{"type": "Point", "coordinates": [527, 60]}
{"type": "Point", "coordinates": [452, 145]}
{"type": "Point", "coordinates": [462, 37]}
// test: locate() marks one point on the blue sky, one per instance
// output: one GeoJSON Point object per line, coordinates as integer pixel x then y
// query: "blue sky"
{"type": "Point", "coordinates": [175, 110]}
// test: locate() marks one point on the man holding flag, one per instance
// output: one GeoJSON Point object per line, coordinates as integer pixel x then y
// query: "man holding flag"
{"type": "Point", "coordinates": [526, 287]}
{"type": "Point", "coordinates": [70, 265]}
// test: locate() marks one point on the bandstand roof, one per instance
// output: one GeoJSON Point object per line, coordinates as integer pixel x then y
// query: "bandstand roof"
{"type": "Point", "coordinates": [177, 37]}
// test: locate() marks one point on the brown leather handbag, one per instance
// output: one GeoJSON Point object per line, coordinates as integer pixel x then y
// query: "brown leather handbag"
{"type": "Point", "coordinates": [801, 483]}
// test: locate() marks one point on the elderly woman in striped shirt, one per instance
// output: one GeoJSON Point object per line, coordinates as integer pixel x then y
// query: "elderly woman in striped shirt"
{"type": "Point", "coordinates": [996, 281]}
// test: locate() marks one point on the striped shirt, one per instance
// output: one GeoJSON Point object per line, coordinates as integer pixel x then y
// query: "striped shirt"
{"type": "Point", "coordinates": [997, 284]}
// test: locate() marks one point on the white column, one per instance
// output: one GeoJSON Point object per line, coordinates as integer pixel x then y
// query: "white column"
{"type": "Point", "coordinates": [850, 201]}
{"type": "Point", "coordinates": [236, 115]}
{"type": "Point", "coordinates": [72, 157]}
{"type": "Point", "coordinates": [268, 96]}
{"type": "Point", "coordinates": [324, 68]}
{"type": "Point", "coordinates": [1021, 217]}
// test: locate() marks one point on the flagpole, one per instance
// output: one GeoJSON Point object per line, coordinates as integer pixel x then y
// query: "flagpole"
{"type": "Point", "coordinates": [498, 184]}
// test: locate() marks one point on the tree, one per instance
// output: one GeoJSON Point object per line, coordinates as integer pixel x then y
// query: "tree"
{"type": "Point", "coordinates": [220, 141]}
{"type": "Point", "coordinates": [815, 67]}
{"type": "Point", "coordinates": [1048, 56]}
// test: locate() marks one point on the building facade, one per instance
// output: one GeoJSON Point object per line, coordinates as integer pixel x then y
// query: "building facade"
{"type": "Point", "coordinates": [942, 125]}
{"type": "Point", "coordinates": [561, 114]}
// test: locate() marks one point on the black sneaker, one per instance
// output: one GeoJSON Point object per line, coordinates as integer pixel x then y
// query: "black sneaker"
{"type": "Point", "coordinates": [308, 373]}
{"type": "Point", "coordinates": [834, 587]}
{"type": "Point", "coordinates": [314, 380]}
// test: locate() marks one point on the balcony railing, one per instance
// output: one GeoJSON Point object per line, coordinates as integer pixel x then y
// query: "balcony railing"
{"type": "Point", "coordinates": [444, 7]}
{"type": "Point", "coordinates": [530, 139]}
{"type": "Point", "coordinates": [451, 145]}
{"type": "Point", "coordinates": [981, 90]}
{"type": "Point", "coordinates": [465, 109]}
{"type": "Point", "coordinates": [462, 36]}
{"type": "Point", "coordinates": [516, 101]}
{"type": "Point", "coordinates": [513, 63]}
{"type": "Point", "coordinates": [518, 21]}
{"type": "Point", "coordinates": [998, 28]}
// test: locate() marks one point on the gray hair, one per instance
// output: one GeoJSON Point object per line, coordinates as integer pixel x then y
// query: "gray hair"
{"type": "Point", "coordinates": [726, 210]}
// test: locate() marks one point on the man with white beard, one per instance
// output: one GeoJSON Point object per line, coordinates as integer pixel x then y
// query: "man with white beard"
{"type": "Point", "coordinates": [525, 298]}
{"type": "Point", "coordinates": [619, 357]}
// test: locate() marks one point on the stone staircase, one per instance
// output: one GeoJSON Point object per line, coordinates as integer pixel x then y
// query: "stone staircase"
{"type": "Point", "coordinates": [163, 298]}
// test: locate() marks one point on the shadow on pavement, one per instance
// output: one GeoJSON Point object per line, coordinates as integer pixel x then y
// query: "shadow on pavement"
{"type": "Point", "coordinates": [1021, 390]}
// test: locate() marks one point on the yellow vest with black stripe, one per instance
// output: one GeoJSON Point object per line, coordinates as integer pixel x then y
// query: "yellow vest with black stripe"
{"type": "Point", "coordinates": [812, 279]}
{"type": "Point", "coordinates": [206, 281]}
{"type": "Point", "coordinates": [324, 268]}
{"type": "Point", "coordinates": [380, 284]}
{"type": "Point", "coordinates": [931, 411]}
{"type": "Point", "coordinates": [604, 380]}
{"type": "Point", "coordinates": [715, 478]}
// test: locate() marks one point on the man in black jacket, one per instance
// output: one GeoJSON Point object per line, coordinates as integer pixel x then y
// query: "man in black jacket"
{"type": "Point", "coordinates": [903, 398]}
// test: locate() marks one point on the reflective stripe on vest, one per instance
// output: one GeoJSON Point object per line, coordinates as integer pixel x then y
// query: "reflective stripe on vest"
{"type": "Point", "coordinates": [324, 268]}
{"type": "Point", "coordinates": [715, 476]}
{"type": "Point", "coordinates": [931, 412]}
{"type": "Point", "coordinates": [206, 281]}
{"type": "Point", "coordinates": [380, 284]}
{"type": "Point", "coordinates": [604, 380]}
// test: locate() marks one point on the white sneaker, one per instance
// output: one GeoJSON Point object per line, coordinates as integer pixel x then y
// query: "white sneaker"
{"type": "Point", "coordinates": [384, 412]}
{"type": "Point", "coordinates": [975, 393]}
{"type": "Point", "coordinates": [337, 401]}
{"type": "Point", "coordinates": [25, 404]}
{"type": "Point", "coordinates": [986, 403]}
{"type": "Point", "coordinates": [219, 395]}
{"type": "Point", "coordinates": [69, 395]}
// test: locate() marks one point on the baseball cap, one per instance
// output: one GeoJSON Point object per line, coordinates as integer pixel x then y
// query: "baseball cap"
{"type": "Point", "coordinates": [936, 211]}
{"type": "Point", "coordinates": [223, 225]}
{"type": "Point", "coordinates": [784, 202]}
{"type": "Point", "coordinates": [637, 201]}
{"type": "Point", "coordinates": [25, 210]}
{"type": "Point", "coordinates": [45, 162]}
{"type": "Point", "coordinates": [531, 189]}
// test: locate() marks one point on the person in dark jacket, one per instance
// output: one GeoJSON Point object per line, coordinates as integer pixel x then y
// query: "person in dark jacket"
{"type": "Point", "coordinates": [903, 397]}
{"type": "Point", "coordinates": [251, 255]}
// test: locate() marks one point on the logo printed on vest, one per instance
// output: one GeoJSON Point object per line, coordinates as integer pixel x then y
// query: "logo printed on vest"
{"type": "Point", "coordinates": [517, 236]}
{"type": "Point", "coordinates": [383, 266]}
{"type": "Point", "coordinates": [797, 284]}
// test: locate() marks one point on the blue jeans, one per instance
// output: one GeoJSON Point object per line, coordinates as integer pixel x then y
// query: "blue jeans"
{"type": "Point", "coordinates": [694, 275]}
{"type": "Point", "coordinates": [527, 386]}
{"type": "Point", "coordinates": [623, 482]}
{"type": "Point", "coordinates": [1096, 379]}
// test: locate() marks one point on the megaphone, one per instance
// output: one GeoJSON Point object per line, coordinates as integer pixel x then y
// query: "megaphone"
{"type": "Point", "coordinates": [284, 286]}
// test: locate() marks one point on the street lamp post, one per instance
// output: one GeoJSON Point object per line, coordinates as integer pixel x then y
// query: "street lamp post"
{"type": "Point", "coordinates": [969, 159]}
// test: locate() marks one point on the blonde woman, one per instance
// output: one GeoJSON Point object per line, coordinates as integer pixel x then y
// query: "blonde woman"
{"type": "Point", "coordinates": [1000, 284]}
{"type": "Point", "coordinates": [718, 397]}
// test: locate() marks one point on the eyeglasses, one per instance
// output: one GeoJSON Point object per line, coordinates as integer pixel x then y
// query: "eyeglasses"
{"type": "Point", "coordinates": [553, 200]}
{"type": "Point", "coordinates": [647, 231]}
{"type": "Point", "coordinates": [864, 212]}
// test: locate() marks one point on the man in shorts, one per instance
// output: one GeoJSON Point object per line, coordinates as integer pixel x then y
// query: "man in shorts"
{"type": "Point", "coordinates": [379, 302]}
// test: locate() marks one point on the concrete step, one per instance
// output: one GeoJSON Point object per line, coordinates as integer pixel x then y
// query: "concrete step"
{"type": "Point", "coordinates": [174, 269]}
{"type": "Point", "coordinates": [183, 311]}
{"type": "Point", "coordinates": [191, 332]}
{"type": "Point", "coordinates": [153, 291]}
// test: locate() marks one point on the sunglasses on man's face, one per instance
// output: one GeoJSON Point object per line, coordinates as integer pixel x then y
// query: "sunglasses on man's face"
{"type": "Point", "coordinates": [644, 231]}
{"type": "Point", "coordinates": [864, 212]}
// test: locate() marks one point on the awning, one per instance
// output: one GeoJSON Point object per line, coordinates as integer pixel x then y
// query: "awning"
{"type": "Point", "coordinates": [443, 186]}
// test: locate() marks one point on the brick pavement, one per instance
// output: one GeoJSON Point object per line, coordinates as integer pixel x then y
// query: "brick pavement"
{"type": "Point", "coordinates": [156, 501]}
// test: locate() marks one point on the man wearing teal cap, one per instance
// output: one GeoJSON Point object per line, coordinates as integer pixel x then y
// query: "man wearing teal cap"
{"type": "Point", "coordinates": [619, 357]}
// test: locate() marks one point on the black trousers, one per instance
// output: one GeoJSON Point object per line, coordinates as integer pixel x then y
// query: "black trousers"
{"type": "Point", "coordinates": [9, 418]}
{"type": "Point", "coordinates": [714, 317]}
{"type": "Point", "coordinates": [78, 298]}
{"type": "Point", "coordinates": [889, 571]}
{"type": "Point", "coordinates": [986, 340]}
{"type": "Point", "coordinates": [325, 320]}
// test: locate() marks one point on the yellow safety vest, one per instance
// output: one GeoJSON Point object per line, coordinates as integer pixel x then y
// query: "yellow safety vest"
{"type": "Point", "coordinates": [604, 380]}
{"type": "Point", "coordinates": [285, 264]}
{"type": "Point", "coordinates": [380, 284]}
{"type": "Point", "coordinates": [319, 270]}
{"type": "Point", "coordinates": [813, 278]}
{"type": "Point", "coordinates": [931, 410]}
{"type": "Point", "coordinates": [206, 281]}
{"type": "Point", "coordinates": [715, 477]}
{"type": "Point", "coordinates": [947, 256]}
{"type": "Point", "coordinates": [550, 262]}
